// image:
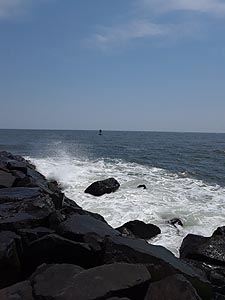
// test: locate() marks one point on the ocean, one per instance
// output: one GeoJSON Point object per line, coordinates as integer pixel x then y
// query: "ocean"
{"type": "Point", "coordinates": [184, 174]}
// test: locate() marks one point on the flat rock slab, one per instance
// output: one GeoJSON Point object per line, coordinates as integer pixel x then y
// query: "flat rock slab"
{"type": "Point", "coordinates": [18, 194]}
{"type": "Point", "coordinates": [172, 288]}
{"type": "Point", "coordinates": [32, 234]}
{"type": "Point", "coordinates": [77, 226]}
{"type": "Point", "coordinates": [99, 188]}
{"type": "Point", "coordinates": [121, 280]}
{"type": "Point", "coordinates": [19, 291]}
{"type": "Point", "coordinates": [138, 251]}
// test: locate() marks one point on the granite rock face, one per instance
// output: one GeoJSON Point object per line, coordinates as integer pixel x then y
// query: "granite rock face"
{"type": "Point", "coordinates": [50, 248]}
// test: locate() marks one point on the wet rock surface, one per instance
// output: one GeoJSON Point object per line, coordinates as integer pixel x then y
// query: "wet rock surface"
{"type": "Point", "coordinates": [50, 248]}
{"type": "Point", "coordinates": [102, 187]}
{"type": "Point", "coordinates": [139, 229]}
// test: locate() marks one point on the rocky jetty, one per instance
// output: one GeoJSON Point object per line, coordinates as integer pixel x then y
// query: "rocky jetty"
{"type": "Point", "coordinates": [50, 248]}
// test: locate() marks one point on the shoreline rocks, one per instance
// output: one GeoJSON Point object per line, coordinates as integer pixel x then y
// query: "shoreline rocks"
{"type": "Point", "coordinates": [50, 248]}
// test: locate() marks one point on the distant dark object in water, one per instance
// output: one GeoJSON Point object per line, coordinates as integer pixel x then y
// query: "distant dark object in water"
{"type": "Point", "coordinates": [175, 221]}
{"type": "Point", "coordinates": [142, 186]}
{"type": "Point", "coordinates": [99, 188]}
{"type": "Point", "coordinates": [100, 132]}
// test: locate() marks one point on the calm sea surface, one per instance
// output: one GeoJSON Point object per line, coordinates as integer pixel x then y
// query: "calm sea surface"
{"type": "Point", "coordinates": [184, 174]}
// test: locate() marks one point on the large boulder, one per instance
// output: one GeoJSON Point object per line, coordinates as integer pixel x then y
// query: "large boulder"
{"type": "Point", "coordinates": [103, 282]}
{"type": "Point", "coordinates": [19, 291]}
{"type": "Point", "coordinates": [139, 229]}
{"type": "Point", "coordinates": [159, 260]}
{"type": "Point", "coordinates": [102, 187]}
{"type": "Point", "coordinates": [209, 250]}
{"type": "Point", "coordinates": [77, 226]}
{"type": "Point", "coordinates": [6, 179]}
{"type": "Point", "coordinates": [172, 288]}
{"type": "Point", "coordinates": [27, 213]}
{"type": "Point", "coordinates": [10, 264]}
{"type": "Point", "coordinates": [53, 248]}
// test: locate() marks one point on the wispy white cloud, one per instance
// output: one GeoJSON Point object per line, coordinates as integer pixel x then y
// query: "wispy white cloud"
{"type": "Point", "coordinates": [122, 33]}
{"type": "Point", "coordinates": [211, 7]}
{"type": "Point", "coordinates": [10, 8]}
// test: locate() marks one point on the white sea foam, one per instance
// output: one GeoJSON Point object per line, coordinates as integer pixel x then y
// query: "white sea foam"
{"type": "Point", "coordinates": [199, 205]}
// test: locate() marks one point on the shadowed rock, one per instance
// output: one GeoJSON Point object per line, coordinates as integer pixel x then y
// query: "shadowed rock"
{"type": "Point", "coordinates": [10, 265]}
{"type": "Point", "coordinates": [139, 229]}
{"type": "Point", "coordinates": [94, 284]}
{"type": "Point", "coordinates": [6, 179]}
{"type": "Point", "coordinates": [172, 288]}
{"type": "Point", "coordinates": [19, 291]}
{"type": "Point", "coordinates": [175, 222]}
{"type": "Point", "coordinates": [18, 194]}
{"type": "Point", "coordinates": [142, 186]}
{"type": "Point", "coordinates": [121, 249]}
{"type": "Point", "coordinates": [100, 188]}
{"type": "Point", "coordinates": [56, 249]}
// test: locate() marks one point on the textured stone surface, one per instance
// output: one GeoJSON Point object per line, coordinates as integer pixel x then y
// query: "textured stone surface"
{"type": "Point", "coordinates": [97, 283]}
{"type": "Point", "coordinates": [19, 291]}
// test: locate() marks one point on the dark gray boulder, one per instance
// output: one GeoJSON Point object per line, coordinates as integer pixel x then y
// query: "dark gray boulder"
{"type": "Point", "coordinates": [139, 229]}
{"type": "Point", "coordinates": [18, 194]}
{"type": "Point", "coordinates": [121, 280]}
{"type": "Point", "coordinates": [102, 187]}
{"type": "Point", "coordinates": [10, 264]}
{"type": "Point", "coordinates": [53, 248]}
{"type": "Point", "coordinates": [210, 250]}
{"type": "Point", "coordinates": [77, 226]}
{"type": "Point", "coordinates": [172, 288]}
{"type": "Point", "coordinates": [29, 235]}
{"type": "Point", "coordinates": [6, 179]}
{"type": "Point", "coordinates": [220, 231]}
{"type": "Point", "coordinates": [190, 245]}
{"type": "Point", "coordinates": [160, 261]}
{"type": "Point", "coordinates": [19, 291]}
{"type": "Point", "coordinates": [28, 213]}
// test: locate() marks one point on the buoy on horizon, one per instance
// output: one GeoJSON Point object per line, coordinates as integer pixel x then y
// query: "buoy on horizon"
{"type": "Point", "coordinates": [100, 132]}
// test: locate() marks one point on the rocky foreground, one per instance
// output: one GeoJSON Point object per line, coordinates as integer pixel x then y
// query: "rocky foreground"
{"type": "Point", "coordinates": [50, 248]}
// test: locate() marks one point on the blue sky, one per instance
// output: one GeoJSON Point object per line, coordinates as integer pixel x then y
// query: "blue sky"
{"type": "Point", "coordinates": [116, 65]}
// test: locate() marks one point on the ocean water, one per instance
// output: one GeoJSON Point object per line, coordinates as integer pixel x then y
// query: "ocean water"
{"type": "Point", "coordinates": [184, 174]}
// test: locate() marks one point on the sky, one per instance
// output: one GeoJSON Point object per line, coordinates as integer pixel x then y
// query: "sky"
{"type": "Point", "coordinates": [154, 65]}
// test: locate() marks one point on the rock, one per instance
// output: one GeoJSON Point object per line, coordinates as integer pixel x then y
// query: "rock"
{"type": "Point", "coordinates": [139, 229]}
{"type": "Point", "coordinates": [18, 194]}
{"type": "Point", "coordinates": [175, 221]}
{"type": "Point", "coordinates": [29, 235]}
{"type": "Point", "coordinates": [26, 213]}
{"type": "Point", "coordinates": [142, 186]}
{"type": "Point", "coordinates": [53, 248]}
{"type": "Point", "coordinates": [121, 249]}
{"type": "Point", "coordinates": [19, 291]}
{"type": "Point", "coordinates": [219, 231]}
{"type": "Point", "coordinates": [121, 280]}
{"type": "Point", "coordinates": [100, 188]}
{"type": "Point", "coordinates": [6, 179]}
{"type": "Point", "coordinates": [190, 244]}
{"type": "Point", "coordinates": [172, 288]}
{"type": "Point", "coordinates": [77, 226]}
{"type": "Point", "coordinates": [10, 265]}
{"type": "Point", "coordinates": [53, 281]}
{"type": "Point", "coordinates": [209, 250]}
{"type": "Point", "coordinates": [116, 298]}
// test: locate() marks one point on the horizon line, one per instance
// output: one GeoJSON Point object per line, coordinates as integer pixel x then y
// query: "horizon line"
{"type": "Point", "coordinates": [115, 130]}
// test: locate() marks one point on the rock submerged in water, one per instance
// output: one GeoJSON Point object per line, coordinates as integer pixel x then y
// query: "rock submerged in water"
{"type": "Point", "coordinates": [99, 188]}
{"type": "Point", "coordinates": [139, 229]}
